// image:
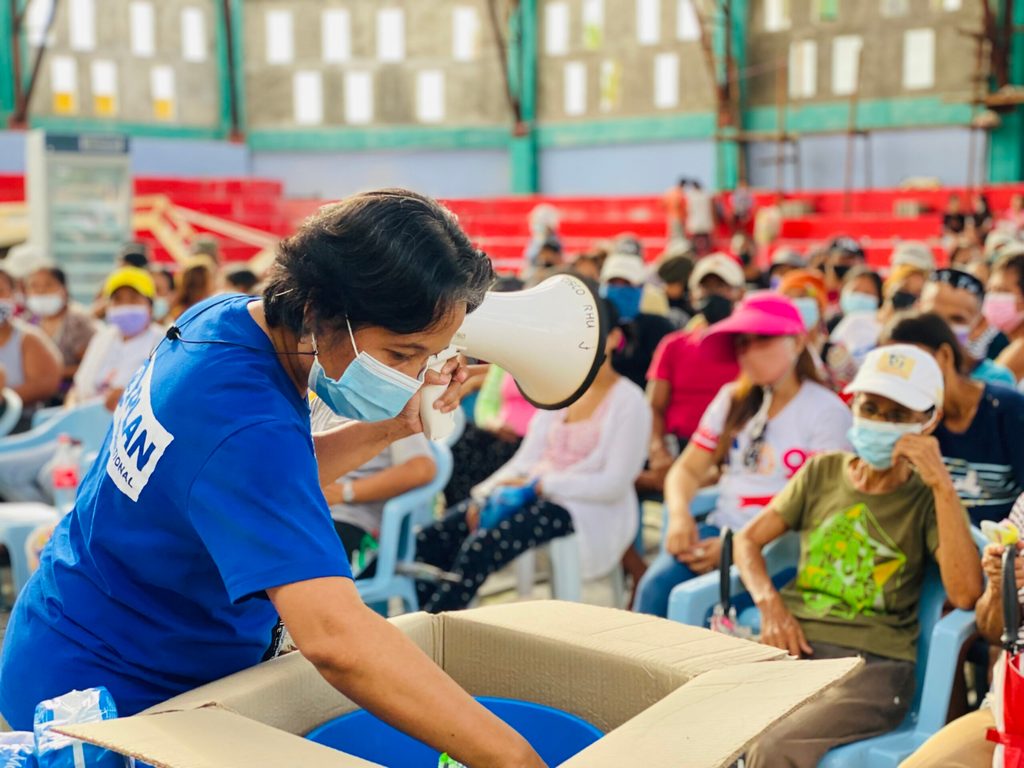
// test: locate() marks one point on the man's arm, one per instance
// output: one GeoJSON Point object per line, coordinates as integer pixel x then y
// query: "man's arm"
{"type": "Point", "coordinates": [778, 626]}
{"type": "Point", "coordinates": [388, 483]}
{"type": "Point", "coordinates": [42, 369]}
{"type": "Point", "coordinates": [379, 668]}
{"type": "Point", "coordinates": [346, 448]}
{"type": "Point", "coordinates": [658, 396]}
{"type": "Point", "coordinates": [956, 554]}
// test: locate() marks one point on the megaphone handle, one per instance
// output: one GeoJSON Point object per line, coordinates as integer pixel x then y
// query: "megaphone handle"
{"type": "Point", "coordinates": [436, 425]}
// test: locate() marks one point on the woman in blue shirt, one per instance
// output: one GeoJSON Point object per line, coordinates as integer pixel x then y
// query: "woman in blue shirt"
{"type": "Point", "coordinates": [202, 521]}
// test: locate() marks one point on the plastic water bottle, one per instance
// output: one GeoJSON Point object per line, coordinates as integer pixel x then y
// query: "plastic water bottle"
{"type": "Point", "coordinates": [65, 473]}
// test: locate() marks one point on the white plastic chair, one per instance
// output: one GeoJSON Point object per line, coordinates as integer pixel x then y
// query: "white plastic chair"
{"type": "Point", "coordinates": [566, 578]}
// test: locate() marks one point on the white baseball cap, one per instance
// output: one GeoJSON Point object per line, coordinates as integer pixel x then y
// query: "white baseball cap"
{"type": "Point", "coordinates": [628, 268]}
{"type": "Point", "coordinates": [720, 265]}
{"type": "Point", "coordinates": [901, 372]}
{"type": "Point", "coordinates": [914, 254]}
{"type": "Point", "coordinates": [24, 259]}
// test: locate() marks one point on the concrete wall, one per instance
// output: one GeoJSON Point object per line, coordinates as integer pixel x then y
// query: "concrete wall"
{"type": "Point", "coordinates": [474, 90]}
{"type": "Point", "coordinates": [196, 89]}
{"type": "Point", "coordinates": [626, 169]}
{"type": "Point", "coordinates": [619, 68]}
{"type": "Point", "coordinates": [896, 155]}
{"type": "Point", "coordinates": [153, 157]}
{"type": "Point", "coordinates": [883, 43]}
{"type": "Point", "coordinates": [455, 173]}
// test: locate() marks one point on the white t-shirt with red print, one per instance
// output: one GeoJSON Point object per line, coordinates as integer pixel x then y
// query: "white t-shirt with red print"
{"type": "Point", "coordinates": [814, 421]}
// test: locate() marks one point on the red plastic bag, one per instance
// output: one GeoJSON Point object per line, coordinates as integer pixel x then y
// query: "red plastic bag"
{"type": "Point", "coordinates": [1008, 681]}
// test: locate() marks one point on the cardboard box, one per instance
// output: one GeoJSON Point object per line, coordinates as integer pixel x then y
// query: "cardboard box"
{"type": "Point", "coordinates": [667, 695]}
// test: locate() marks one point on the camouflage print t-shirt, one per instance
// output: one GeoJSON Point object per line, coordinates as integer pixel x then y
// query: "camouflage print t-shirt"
{"type": "Point", "coordinates": [862, 557]}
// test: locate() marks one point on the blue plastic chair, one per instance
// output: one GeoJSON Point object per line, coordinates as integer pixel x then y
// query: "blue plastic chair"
{"type": "Point", "coordinates": [397, 543]}
{"type": "Point", "coordinates": [704, 503]}
{"type": "Point", "coordinates": [23, 456]}
{"type": "Point", "coordinates": [87, 423]}
{"type": "Point", "coordinates": [938, 650]}
{"type": "Point", "coordinates": [43, 415]}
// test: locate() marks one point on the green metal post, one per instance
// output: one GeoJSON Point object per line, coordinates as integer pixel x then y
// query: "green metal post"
{"type": "Point", "coordinates": [523, 72]}
{"type": "Point", "coordinates": [728, 149]}
{"type": "Point", "coordinates": [6, 62]}
{"type": "Point", "coordinates": [1006, 143]}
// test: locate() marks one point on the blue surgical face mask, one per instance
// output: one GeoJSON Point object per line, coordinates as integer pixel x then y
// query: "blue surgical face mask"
{"type": "Point", "coordinates": [626, 299]}
{"type": "Point", "coordinates": [809, 311]}
{"type": "Point", "coordinates": [160, 308]}
{"type": "Point", "coordinates": [874, 441]}
{"type": "Point", "coordinates": [368, 390]}
{"type": "Point", "coordinates": [852, 302]}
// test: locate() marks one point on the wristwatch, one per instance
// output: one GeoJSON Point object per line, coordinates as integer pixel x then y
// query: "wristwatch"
{"type": "Point", "coordinates": [348, 492]}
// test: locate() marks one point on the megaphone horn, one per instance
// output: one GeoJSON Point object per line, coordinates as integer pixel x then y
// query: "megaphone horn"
{"type": "Point", "coordinates": [549, 338]}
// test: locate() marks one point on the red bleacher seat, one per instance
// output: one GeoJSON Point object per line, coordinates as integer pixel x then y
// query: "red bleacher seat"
{"type": "Point", "coordinates": [500, 225]}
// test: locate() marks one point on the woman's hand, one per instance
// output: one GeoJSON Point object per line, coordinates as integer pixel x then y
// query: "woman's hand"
{"type": "Point", "coordinates": [455, 372]}
{"type": "Point", "coordinates": [779, 628]}
{"type": "Point", "coordinates": [472, 516]}
{"type": "Point", "coordinates": [512, 482]}
{"type": "Point", "coordinates": [681, 535]}
{"type": "Point", "coordinates": [703, 557]}
{"type": "Point", "coordinates": [992, 564]}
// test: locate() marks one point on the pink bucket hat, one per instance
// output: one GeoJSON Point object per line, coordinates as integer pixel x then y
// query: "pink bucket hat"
{"type": "Point", "coordinates": [762, 313]}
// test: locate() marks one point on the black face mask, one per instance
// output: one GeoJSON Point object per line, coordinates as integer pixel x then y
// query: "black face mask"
{"type": "Point", "coordinates": [840, 270]}
{"type": "Point", "coordinates": [682, 304]}
{"type": "Point", "coordinates": [715, 308]}
{"type": "Point", "coordinates": [903, 300]}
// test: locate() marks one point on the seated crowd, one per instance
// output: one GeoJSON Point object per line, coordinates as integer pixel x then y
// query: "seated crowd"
{"type": "Point", "coordinates": [872, 414]}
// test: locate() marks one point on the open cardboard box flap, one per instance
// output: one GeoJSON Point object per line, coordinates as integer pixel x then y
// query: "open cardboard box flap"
{"type": "Point", "coordinates": [666, 694]}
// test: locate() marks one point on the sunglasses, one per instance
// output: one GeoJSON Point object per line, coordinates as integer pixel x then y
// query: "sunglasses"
{"type": "Point", "coordinates": [962, 280]}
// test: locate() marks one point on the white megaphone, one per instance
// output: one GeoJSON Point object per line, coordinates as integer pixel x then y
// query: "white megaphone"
{"type": "Point", "coordinates": [549, 338]}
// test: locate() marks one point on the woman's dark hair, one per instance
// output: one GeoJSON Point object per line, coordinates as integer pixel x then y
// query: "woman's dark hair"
{"type": "Point", "coordinates": [242, 278]}
{"type": "Point", "coordinates": [1015, 263]}
{"type": "Point", "coordinates": [747, 399]}
{"type": "Point", "coordinates": [57, 274]}
{"type": "Point", "coordinates": [925, 329]}
{"type": "Point", "coordinates": [390, 258]}
{"type": "Point", "coordinates": [860, 271]}
{"type": "Point", "coordinates": [195, 283]}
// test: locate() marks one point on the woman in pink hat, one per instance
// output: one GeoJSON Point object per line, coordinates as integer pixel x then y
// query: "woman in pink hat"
{"type": "Point", "coordinates": [758, 431]}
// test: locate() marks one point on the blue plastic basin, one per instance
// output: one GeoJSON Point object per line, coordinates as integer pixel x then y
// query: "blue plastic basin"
{"type": "Point", "coordinates": [554, 734]}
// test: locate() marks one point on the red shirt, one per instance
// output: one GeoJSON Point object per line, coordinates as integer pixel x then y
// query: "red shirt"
{"type": "Point", "coordinates": [693, 380]}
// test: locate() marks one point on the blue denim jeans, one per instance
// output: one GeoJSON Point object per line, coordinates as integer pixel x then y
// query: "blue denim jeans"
{"type": "Point", "coordinates": [663, 575]}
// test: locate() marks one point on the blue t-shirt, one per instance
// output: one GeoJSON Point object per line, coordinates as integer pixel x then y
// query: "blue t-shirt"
{"type": "Point", "coordinates": [987, 461]}
{"type": "Point", "coordinates": [205, 494]}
